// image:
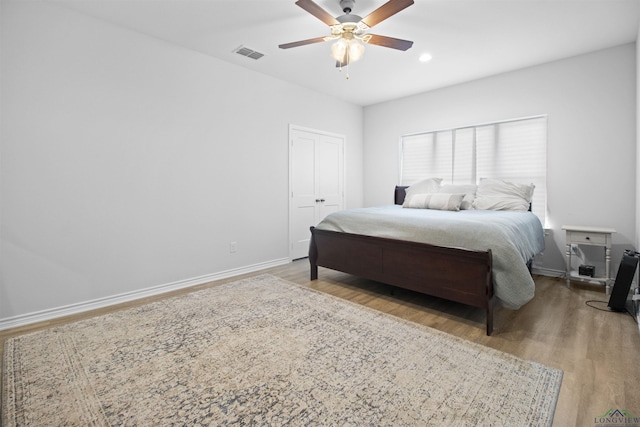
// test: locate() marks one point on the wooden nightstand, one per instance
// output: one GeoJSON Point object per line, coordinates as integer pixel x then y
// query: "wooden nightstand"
{"type": "Point", "coordinates": [591, 236]}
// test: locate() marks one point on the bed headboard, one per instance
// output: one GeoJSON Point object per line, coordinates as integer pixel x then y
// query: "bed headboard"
{"type": "Point", "coordinates": [400, 193]}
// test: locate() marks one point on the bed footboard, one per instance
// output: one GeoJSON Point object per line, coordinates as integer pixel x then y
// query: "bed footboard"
{"type": "Point", "coordinates": [454, 274]}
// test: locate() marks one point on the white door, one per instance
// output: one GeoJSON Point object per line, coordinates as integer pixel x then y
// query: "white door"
{"type": "Point", "coordinates": [316, 173]}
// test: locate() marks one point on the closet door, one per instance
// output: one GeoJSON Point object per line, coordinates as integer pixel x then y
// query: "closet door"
{"type": "Point", "coordinates": [316, 174]}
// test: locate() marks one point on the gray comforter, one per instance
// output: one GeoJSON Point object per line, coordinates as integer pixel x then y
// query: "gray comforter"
{"type": "Point", "coordinates": [513, 237]}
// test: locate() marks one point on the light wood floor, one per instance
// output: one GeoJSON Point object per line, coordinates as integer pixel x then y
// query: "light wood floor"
{"type": "Point", "coordinates": [598, 351]}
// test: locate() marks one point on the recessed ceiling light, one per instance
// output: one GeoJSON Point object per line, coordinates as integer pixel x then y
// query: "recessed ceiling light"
{"type": "Point", "coordinates": [425, 57]}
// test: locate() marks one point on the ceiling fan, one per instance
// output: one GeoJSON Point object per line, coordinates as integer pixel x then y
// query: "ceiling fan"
{"type": "Point", "coordinates": [350, 30]}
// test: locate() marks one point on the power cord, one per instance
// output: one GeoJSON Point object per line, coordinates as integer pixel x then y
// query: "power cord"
{"type": "Point", "coordinates": [590, 303]}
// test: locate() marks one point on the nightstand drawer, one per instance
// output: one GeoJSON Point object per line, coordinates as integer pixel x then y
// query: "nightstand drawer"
{"type": "Point", "coordinates": [588, 238]}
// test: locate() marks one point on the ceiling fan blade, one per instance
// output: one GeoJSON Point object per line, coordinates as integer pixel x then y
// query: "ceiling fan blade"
{"type": "Point", "coordinates": [388, 9]}
{"type": "Point", "coordinates": [318, 12]}
{"type": "Point", "coordinates": [385, 41]}
{"type": "Point", "coordinates": [301, 43]}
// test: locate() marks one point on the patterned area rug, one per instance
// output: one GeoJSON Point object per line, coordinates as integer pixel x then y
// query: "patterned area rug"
{"type": "Point", "coordinates": [262, 351]}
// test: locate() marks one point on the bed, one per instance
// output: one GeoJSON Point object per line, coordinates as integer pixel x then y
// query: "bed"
{"type": "Point", "coordinates": [478, 257]}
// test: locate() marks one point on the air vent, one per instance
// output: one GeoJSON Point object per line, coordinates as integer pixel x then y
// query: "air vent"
{"type": "Point", "coordinates": [249, 53]}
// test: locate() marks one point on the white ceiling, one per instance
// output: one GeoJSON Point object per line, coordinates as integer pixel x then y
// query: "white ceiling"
{"type": "Point", "coordinates": [468, 39]}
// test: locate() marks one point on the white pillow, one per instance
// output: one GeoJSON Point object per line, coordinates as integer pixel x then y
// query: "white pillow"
{"type": "Point", "coordinates": [469, 191]}
{"type": "Point", "coordinates": [429, 185]}
{"type": "Point", "coordinates": [498, 195]}
{"type": "Point", "coordinates": [440, 201]}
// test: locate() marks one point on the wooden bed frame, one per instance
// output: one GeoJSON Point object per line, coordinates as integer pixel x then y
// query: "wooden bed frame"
{"type": "Point", "coordinates": [455, 274]}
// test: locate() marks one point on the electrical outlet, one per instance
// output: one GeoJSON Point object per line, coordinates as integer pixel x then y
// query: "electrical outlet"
{"type": "Point", "coordinates": [233, 247]}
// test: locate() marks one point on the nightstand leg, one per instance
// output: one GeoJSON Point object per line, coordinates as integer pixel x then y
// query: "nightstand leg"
{"type": "Point", "coordinates": [607, 270]}
{"type": "Point", "coordinates": [568, 256]}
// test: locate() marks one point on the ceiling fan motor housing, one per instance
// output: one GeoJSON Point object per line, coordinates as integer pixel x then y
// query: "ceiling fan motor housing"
{"type": "Point", "coordinates": [347, 5]}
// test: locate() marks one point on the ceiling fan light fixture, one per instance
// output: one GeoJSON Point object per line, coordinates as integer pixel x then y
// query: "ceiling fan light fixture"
{"type": "Point", "coordinates": [346, 50]}
{"type": "Point", "coordinates": [339, 50]}
{"type": "Point", "coordinates": [356, 50]}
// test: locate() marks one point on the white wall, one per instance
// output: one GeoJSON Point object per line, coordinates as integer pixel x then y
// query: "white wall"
{"type": "Point", "coordinates": [637, 237]}
{"type": "Point", "coordinates": [590, 101]}
{"type": "Point", "coordinates": [129, 163]}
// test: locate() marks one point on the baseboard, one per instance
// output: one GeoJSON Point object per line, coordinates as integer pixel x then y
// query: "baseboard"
{"type": "Point", "coordinates": [44, 315]}
{"type": "Point", "coordinates": [548, 272]}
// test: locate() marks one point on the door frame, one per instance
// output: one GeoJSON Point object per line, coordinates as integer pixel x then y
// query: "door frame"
{"type": "Point", "coordinates": [292, 128]}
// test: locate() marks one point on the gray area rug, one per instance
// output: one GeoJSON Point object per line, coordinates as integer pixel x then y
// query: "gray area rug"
{"type": "Point", "coordinates": [262, 351]}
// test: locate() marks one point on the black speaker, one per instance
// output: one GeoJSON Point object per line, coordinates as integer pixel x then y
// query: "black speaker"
{"type": "Point", "coordinates": [627, 270]}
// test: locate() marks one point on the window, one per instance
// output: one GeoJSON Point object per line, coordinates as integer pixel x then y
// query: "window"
{"type": "Point", "coordinates": [512, 150]}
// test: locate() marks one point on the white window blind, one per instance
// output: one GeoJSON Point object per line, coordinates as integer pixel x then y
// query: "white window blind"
{"type": "Point", "coordinates": [426, 152]}
{"type": "Point", "coordinates": [512, 150]}
{"type": "Point", "coordinates": [464, 149]}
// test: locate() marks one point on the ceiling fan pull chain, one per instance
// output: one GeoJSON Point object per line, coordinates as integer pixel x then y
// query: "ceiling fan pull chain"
{"type": "Point", "coordinates": [347, 56]}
